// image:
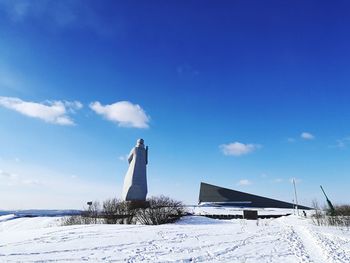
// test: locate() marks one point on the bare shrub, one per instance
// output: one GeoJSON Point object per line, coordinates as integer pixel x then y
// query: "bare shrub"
{"type": "Point", "coordinates": [342, 210]}
{"type": "Point", "coordinates": [90, 215]}
{"type": "Point", "coordinates": [161, 210]}
{"type": "Point", "coordinates": [72, 220]}
{"type": "Point", "coordinates": [340, 217]}
{"type": "Point", "coordinates": [79, 220]}
{"type": "Point", "coordinates": [115, 211]}
{"type": "Point", "coordinates": [318, 218]}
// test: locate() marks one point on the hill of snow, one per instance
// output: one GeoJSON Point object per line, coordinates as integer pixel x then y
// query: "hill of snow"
{"type": "Point", "coordinates": [38, 212]}
{"type": "Point", "coordinates": [192, 239]}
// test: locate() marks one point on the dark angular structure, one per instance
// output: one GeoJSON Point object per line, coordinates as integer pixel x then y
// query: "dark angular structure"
{"type": "Point", "coordinates": [224, 196]}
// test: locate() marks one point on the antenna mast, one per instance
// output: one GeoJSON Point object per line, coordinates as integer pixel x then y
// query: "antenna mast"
{"type": "Point", "coordinates": [296, 197]}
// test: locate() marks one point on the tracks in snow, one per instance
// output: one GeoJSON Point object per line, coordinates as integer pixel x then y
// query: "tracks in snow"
{"type": "Point", "coordinates": [333, 247]}
{"type": "Point", "coordinates": [310, 245]}
{"type": "Point", "coordinates": [280, 240]}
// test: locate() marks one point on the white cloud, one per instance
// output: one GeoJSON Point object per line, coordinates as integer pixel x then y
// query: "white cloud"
{"type": "Point", "coordinates": [55, 112]}
{"type": "Point", "coordinates": [238, 149]}
{"type": "Point", "coordinates": [72, 106]}
{"type": "Point", "coordinates": [307, 136]}
{"type": "Point", "coordinates": [124, 113]}
{"type": "Point", "coordinates": [243, 182]}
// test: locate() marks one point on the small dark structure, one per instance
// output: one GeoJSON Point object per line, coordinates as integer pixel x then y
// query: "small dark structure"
{"type": "Point", "coordinates": [250, 214]}
{"type": "Point", "coordinates": [228, 197]}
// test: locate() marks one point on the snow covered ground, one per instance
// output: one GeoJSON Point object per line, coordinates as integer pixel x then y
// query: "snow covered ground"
{"type": "Point", "coordinates": [226, 210]}
{"type": "Point", "coordinates": [192, 239]}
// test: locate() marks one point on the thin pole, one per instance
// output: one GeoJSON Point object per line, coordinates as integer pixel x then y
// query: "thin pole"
{"type": "Point", "coordinates": [296, 198]}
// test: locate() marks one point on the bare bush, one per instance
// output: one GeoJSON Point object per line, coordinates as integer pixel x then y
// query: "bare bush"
{"type": "Point", "coordinates": [340, 216]}
{"type": "Point", "coordinates": [342, 210]}
{"type": "Point", "coordinates": [90, 215]}
{"type": "Point", "coordinates": [72, 220]}
{"type": "Point", "coordinates": [79, 220]}
{"type": "Point", "coordinates": [161, 210]}
{"type": "Point", "coordinates": [318, 218]}
{"type": "Point", "coordinates": [115, 211]}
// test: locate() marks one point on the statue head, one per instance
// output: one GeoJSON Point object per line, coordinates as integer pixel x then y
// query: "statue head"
{"type": "Point", "coordinates": [140, 142]}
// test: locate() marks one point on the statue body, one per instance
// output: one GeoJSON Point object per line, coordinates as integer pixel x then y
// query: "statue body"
{"type": "Point", "coordinates": [135, 181]}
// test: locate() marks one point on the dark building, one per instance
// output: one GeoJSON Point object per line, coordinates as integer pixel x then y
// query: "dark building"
{"type": "Point", "coordinates": [224, 196]}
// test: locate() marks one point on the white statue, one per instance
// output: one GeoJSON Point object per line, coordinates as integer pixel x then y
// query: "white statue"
{"type": "Point", "coordinates": [135, 181]}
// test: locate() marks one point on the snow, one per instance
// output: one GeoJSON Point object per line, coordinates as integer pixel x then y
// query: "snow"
{"type": "Point", "coordinates": [192, 239]}
{"type": "Point", "coordinates": [7, 217]}
{"type": "Point", "coordinates": [226, 210]}
{"type": "Point", "coordinates": [18, 224]}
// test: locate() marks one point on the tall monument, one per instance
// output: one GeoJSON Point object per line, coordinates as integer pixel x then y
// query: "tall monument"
{"type": "Point", "coordinates": [135, 181]}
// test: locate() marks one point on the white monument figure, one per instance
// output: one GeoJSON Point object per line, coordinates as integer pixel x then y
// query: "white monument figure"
{"type": "Point", "coordinates": [135, 181]}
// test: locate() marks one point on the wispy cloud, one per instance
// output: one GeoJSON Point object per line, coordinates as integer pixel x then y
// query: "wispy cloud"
{"type": "Point", "coordinates": [238, 149]}
{"type": "Point", "coordinates": [124, 113]}
{"type": "Point", "coordinates": [12, 179]}
{"type": "Point", "coordinates": [307, 136]}
{"type": "Point", "coordinates": [55, 112]}
{"type": "Point", "coordinates": [4, 174]}
{"type": "Point", "coordinates": [244, 182]}
{"type": "Point", "coordinates": [54, 11]}
{"type": "Point", "coordinates": [42, 187]}
{"type": "Point", "coordinates": [342, 143]}
{"type": "Point", "coordinates": [58, 14]}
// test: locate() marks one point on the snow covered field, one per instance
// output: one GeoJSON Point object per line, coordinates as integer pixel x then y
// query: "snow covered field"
{"type": "Point", "coordinates": [192, 239]}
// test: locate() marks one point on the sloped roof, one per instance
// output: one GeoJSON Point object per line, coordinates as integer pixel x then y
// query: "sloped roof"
{"type": "Point", "coordinates": [216, 194]}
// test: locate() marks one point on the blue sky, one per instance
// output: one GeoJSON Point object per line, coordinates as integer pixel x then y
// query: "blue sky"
{"type": "Point", "coordinates": [242, 94]}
